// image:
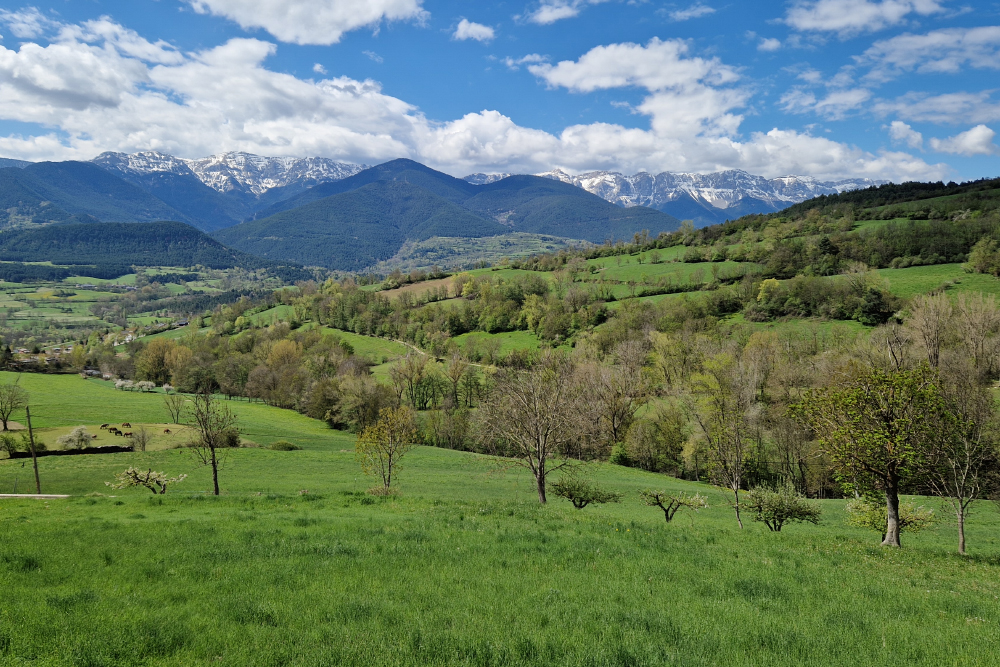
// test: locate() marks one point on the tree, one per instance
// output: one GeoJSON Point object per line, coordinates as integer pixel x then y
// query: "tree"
{"type": "Point", "coordinates": [175, 405]}
{"type": "Point", "coordinates": [531, 415]}
{"type": "Point", "coordinates": [581, 493]}
{"type": "Point", "coordinates": [141, 437]}
{"type": "Point", "coordinates": [670, 503]}
{"type": "Point", "coordinates": [380, 446]}
{"type": "Point", "coordinates": [9, 444]}
{"type": "Point", "coordinates": [868, 513]}
{"type": "Point", "coordinates": [962, 462]}
{"type": "Point", "coordinates": [78, 438]}
{"type": "Point", "coordinates": [216, 426]}
{"type": "Point", "coordinates": [152, 363]}
{"type": "Point", "coordinates": [156, 482]}
{"type": "Point", "coordinates": [776, 507]}
{"type": "Point", "coordinates": [932, 318]}
{"type": "Point", "coordinates": [12, 397]}
{"type": "Point", "coordinates": [877, 431]}
{"type": "Point", "coordinates": [618, 391]}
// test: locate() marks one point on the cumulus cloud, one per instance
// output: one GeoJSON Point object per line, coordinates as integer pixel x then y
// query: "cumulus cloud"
{"type": "Point", "coordinates": [937, 52]}
{"type": "Point", "coordinates": [769, 44]}
{"type": "Point", "coordinates": [311, 21]}
{"type": "Point", "coordinates": [468, 30]}
{"type": "Point", "coordinates": [945, 109]}
{"type": "Point", "coordinates": [550, 11]}
{"type": "Point", "coordinates": [98, 92]}
{"type": "Point", "coordinates": [977, 141]}
{"type": "Point", "coordinates": [901, 133]}
{"type": "Point", "coordinates": [695, 11]}
{"type": "Point", "coordinates": [319, 69]}
{"type": "Point", "coordinates": [851, 17]}
{"type": "Point", "coordinates": [530, 59]}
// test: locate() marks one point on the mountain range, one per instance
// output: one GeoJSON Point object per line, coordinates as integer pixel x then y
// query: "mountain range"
{"type": "Point", "coordinates": [706, 199]}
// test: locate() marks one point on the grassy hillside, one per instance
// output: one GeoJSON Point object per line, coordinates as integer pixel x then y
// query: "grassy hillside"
{"type": "Point", "coordinates": [296, 565]}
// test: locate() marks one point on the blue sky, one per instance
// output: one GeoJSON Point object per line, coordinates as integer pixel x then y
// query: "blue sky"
{"type": "Point", "coordinates": [897, 89]}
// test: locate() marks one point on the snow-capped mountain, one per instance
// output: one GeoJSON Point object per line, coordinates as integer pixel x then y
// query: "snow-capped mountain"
{"type": "Point", "coordinates": [485, 179]}
{"type": "Point", "coordinates": [706, 198]}
{"type": "Point", "coordinates": [234, 171]}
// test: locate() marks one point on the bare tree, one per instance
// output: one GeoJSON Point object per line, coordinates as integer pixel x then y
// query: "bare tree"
{"type": "Point", "coordinates": [931, 319]}
{"type": "Point", "coordinates": [141, 437]}
{"type": "Point", "coordinates": [618, 391]}
{"type": "Point", "coordinates": [455, 371]}
{"type": "Point", "coordinates": [977, 323]}
{"type": "Point", "coordinates": [670, 503]}
{"type": "Point", "coordinates": [12, 397]}
{"type": "Point", "coordinates": [962, 460]}
{"type": "Point", "coordinates": [216, 424]}
{"type": "Point", "coordinates": [175, 405]}
{"type": "Point", "coordinates": [532, 415]}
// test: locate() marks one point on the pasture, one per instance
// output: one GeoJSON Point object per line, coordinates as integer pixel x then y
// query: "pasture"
{"type": "Point", "coordinates": [296, 565]}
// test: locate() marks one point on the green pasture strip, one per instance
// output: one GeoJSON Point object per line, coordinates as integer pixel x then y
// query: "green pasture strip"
{"type": "Point", "coordinates": [275, 314]}
{"type": "Point", "coordinates": [509, 340]}
{"type": "Point", "coordinates": [69, 400]}
{"type": "Point", "coordinates": [370, 346]}
{"type": "Point", "coordinates": [915, 280]}
{"type": "Point", "coordinates": [464, 568]}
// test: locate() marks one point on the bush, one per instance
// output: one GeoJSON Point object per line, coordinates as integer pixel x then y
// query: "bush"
{"type": "Point", "coordinates": [775, 508]}
{"type": "Point", "coordinates": [869, 513]}
{"type": "Point", "coordinates": [619, 455]}
{"type": "Point", "coordinates": [78, 438]}
{"type": "Point", "coordinates": [284, 446]}
{"type": "Point", "coordinates": [582, 493]}
{"type": "Point", "coordinates": [9, 444]}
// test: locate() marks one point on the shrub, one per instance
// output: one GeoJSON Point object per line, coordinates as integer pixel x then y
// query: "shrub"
{"type": "Point", "coordinates": [156, 482]}
{"type": "Point", "coordinates": [869, 513]}
{"type": "Point", "coordinates": [9, 444]}
{"type": "Point", "coordinates": [670, 503]}
{"type": "Point", "coordinates": [283, 446]}
{"type": "Point", "coordinates": [582, 493]}
{"type": "Point", "coordinates": [619, 455]}
{"type": "Point", "coordinates": [78, 438]}
{"type": "Point", "coordinates": [775, 508]}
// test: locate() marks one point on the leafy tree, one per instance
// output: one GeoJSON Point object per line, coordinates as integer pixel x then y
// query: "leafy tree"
{"type": "Point", "coordinates": [671, 503]}
{"type": "Point", "coordinates": [877, 430]}
{"type": "Point", "coordinates": [380, 446]}
{"type": "Point", "coordinates": [157, 482]}
{"type": "Point", "coordinates": [9, 443]}
{"type": "Point", "coordinates": [12, 397]}
{"type": "Point", "coordinates": [581, 493]}
{"type": "Point", "coordinates": [776, 507]}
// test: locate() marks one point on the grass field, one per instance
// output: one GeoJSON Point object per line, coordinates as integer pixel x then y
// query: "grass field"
{"type": "Point", "coordinates": [922, 279]}
{"type": "Point", "coordinates": [463, 568]}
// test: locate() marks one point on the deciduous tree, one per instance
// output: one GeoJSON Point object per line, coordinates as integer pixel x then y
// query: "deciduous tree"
{"type": "Point", "coordinates": [381, 446]}
{"type": "Point", "coordinates": [13, 397]}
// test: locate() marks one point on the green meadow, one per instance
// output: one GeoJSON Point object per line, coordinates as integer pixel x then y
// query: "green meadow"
{"type": "Point", "coordinates": [295, 564]}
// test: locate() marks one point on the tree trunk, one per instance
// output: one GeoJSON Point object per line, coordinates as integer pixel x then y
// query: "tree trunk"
{"type": "Point", "coordinates": [540, 480]}
{"type": "Point", "coordinates": [892, 516]}
{"type": "Point", "coordinates": [215, 471]}
{"type": "Point", "coordinates": [961, 531]}
{"type": "Point", "coordinates": [737, 507]}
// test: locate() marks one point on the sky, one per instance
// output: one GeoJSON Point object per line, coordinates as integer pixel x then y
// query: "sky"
{"type": "Point", "coordinates": [833, 89]}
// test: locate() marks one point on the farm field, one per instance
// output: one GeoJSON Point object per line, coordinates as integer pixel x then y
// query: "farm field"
{"type": "Point", "coordinates": [296, 565]}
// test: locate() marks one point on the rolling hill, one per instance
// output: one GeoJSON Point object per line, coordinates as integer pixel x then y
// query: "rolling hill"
{"type": "Point", "coordinates": [361, 220]}
{"type": "Point", "coordinates": [160, 244]}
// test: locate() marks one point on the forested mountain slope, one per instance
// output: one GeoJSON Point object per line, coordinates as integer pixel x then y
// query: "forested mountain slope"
{"type": "Point", "coordinates": [364, 219]}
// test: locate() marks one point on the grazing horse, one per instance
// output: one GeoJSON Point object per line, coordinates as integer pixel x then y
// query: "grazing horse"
{"type": "Point", "coordinates": [127, 434]}
{"type": "Point", "coordinates": [166, 430]}
{"type": "Point", "coordinates": [126, 425]}
{"type": "Point", "coordinates": [94, 436]}
{"type": "Point", "coordinates": [103, 426]}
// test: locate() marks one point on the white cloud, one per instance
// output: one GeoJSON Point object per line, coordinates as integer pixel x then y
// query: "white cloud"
{"type": "Point", "coordinates": [850, 17]}
{"type": "Point", "coordinates": [311, 21]}
{"type": "Point", "coordinates": [977, 141]}
{"type": "Point", "coordinates": [550, 11]}
{"type": "Point", "coordinates": [945, 109]}
{"type": "Point", "coordinates": [97, 97]}
{"type": "Point", "coordinates": [769, 44]}
{"type": "Point", "coordinates": [837, 104]}
{"type": "Point", "coordinates": [530, 59]}
{"type": "Point", "coordinates": [937, 52]}
{"type": "Point", "coordinates": [656, 66]}
{"type": "Point", "coordinates": [373, 56]}
{"type": "Point", "coordinates": [902, 133]}
{"type": "Point", "coordinates": [319, 69]}
{"type": "Point", "coordinates": [695, 11]}
{"type": "Point", "coordinates": [468, 30]}
{"type": "Point", "coordinates": [26, 23]}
